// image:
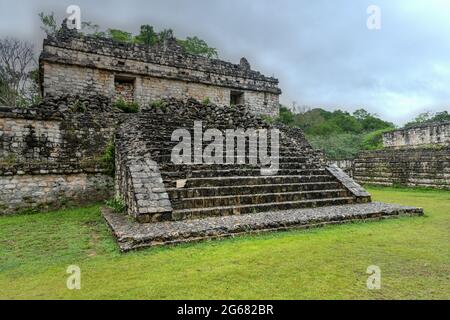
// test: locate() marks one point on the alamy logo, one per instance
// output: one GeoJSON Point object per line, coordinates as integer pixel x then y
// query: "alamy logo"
{"type": "Point", "coordinates": [374, 280]}
{"type": "Point", "coordinates": [235, 146]}
{"type": "Point", "coordinates": [374, 19]}
{"type": "Point", "coordinates": [74, 19]}
{"type": "Point", "coordinates": [74, 280]}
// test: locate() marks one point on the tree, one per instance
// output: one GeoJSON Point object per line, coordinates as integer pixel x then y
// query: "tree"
{"type": "Point", "coordinates": [49, 24]}
{"type": "Point", "coordinates": [361, 114]}
{"type": "Point", "coordinates": [164, 35]}
{"type": "Point", "coordinates": [199, 47]}
{"type": "Point", "coordinates": [119, 35]}
{"type": "Point", "coordinates": [286, 116]}
{"type": "Point", "coordinates": [346, 122]}
{"type": "Point", "coordinates": [441, 116]}
{"type": "Point", "coordinates": [147, 36]}
{"type": "Point", "coordinates": [91, 28]}
{"type": "Point", "coordinates": [16, 62]}
{"type": "Point", "coordinates": [429, 117]}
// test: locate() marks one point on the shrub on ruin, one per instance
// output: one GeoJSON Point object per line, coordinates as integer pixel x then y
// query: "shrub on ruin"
{"type": "Point", "coordinates": [206, 101]}
{"type": "Point", "coordinates": [268, 119]}
{"type": "Point", "coordinates": [116, 204]}
{"type": "Point", "coordinates": [78, 106]}
{"type": "Point", "coordinates": [127, 106]}
{"type": "Point", "coordinates": [109, 158]}
{"type": "Point", "coordinates": [159, 104]}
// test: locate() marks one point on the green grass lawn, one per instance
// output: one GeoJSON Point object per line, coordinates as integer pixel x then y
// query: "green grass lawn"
{"type": "Point", "coordinates": [327, 263]}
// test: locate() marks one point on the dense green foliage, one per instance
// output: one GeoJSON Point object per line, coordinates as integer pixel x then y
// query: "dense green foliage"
{"type": "Point", "coordinates": [338, 146]}
{"type": "Point", "coordinates": [159, 104]}
{"type": "Point", "coordinates": [339, 134]}
{"type": "Point", "coordinates": [109, 158]}
{"type": "Point", "coordinates": [429, 117]}
{"type": "Point", "coordinates": [120, 35]}
{"type": "Point", "coordinates": [206, 101]}
{"type": "Point", "coordinates": [126, 106]}
{"type": "Point", "coordinates": [199, 47]}
{"type": "Point", "coordinates": [116, 204]}
{"type": "Point", "coordinates": [325, 263]}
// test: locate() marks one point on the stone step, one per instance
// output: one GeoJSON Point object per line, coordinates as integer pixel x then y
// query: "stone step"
{"type": "Point", "coordinates": [248, 160]}
{"type": "Point", "coordinates": [165, 143]}
{"type": "Point", "coordinates": [241, 172]}
{"type": "Point", "coordinates": [252, 208]}
{"type": "Point", "coordinates": [256, 180]}
{"type": "Point", "coordinates": [180, 193]}
{"type": "Point", "coordinates": [171, 167]}
{"type": "Point", "coordinates": [256, 199]}
{"type": "Point", "coordinates": [133, 235]}
{"type": "Point", "coordinates": [174, 123]}
{"type": "Point", "coordinates": [167, 148]}
{"type": "Point", "coordinates": [168, 130]}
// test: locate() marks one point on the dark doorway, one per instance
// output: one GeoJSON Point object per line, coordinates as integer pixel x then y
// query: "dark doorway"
{"type": "Point", "coordinates": [236, 98]}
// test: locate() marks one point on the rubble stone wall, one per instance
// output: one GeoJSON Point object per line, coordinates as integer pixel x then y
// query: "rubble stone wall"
{"type": "Point", "coordinates": [49, 159]}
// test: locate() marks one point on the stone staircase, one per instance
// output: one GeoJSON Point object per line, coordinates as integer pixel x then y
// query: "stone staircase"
{"type": "Point", "coordinates": [205, 190]}
{"type": "Point", "coordinates": [177, 203]}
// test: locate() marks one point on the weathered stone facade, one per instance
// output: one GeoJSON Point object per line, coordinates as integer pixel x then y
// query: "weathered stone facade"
{"type": "Point", "coordinates": [72, 63]}
{"type": "Point", "coordinates": [49, 159]}
{"type": "Point", "coordinates": [419, 136]}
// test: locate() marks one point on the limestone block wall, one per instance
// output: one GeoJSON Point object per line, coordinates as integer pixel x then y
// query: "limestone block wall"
{"type": "Point", "coordinates": [48, 159]}
{"type": "Point", "coordinates": [72, 63]}
{"type": "Point", "coordinates": [428, 134]}
{"type": "Point", "coordinates": [41, 192]}
{"type": "Point", "coordinates": [422, 167]}
{"type": "Point", "coordinates": [70, 79]}
{"type": "Point", "coordinates": [62, 80]}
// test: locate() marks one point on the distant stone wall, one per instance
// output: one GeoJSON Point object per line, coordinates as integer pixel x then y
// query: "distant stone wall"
{"type": "Point", "coordinates": [428, 134]}
{"type": "Point", "coordinates": [77, 64]}
{"type": "Point", "coordinates": [422, 167]}
{"type": "Point", "coordinates": [49, 159]}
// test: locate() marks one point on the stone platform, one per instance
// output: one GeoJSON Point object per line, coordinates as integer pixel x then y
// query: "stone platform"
{"type": "Point", "coordinates": [132, 235]}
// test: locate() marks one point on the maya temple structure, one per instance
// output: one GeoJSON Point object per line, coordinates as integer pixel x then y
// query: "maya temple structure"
{"type": "Point", "coordinates": [53, 155]}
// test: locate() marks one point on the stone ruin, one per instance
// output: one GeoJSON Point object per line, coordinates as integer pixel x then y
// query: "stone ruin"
{"type": "Point", "coordinates": [416, 157]}
{"type": "Point", "coordinates": [52, 155]}
{"type": "Point", "coordinates": [73, 63]}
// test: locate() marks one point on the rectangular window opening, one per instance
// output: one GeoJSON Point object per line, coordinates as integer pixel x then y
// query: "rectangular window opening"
{"type": "Point", "coordinates": [236, 98]}
{"type": "Point", "coordinates": [124, 88]}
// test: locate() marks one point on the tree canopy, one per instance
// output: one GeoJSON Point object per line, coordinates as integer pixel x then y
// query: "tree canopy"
{"type": "Point", "coordinates": [429, 117]}
{"type": "Point", "coordinates": [340, 134]}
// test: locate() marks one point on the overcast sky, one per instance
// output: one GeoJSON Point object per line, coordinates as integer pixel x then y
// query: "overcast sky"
{"type": "Point", "coordinates": [322, 51]}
